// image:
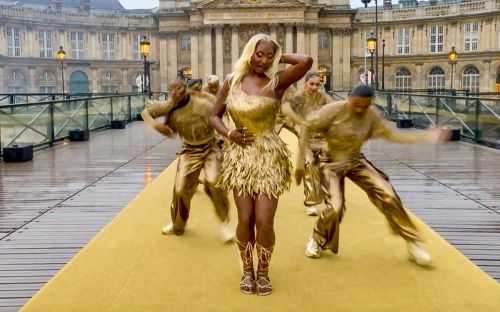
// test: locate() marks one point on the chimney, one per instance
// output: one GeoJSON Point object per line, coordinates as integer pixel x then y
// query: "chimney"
{"type": "Point", "coordinates": [85, 6]}
{"type": "Point", "coordinates": [55, 5]}
{"type": "Point", "coordinates": [387, 4]}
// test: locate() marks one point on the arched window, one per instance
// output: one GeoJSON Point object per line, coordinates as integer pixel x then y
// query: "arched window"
{"type": "Point", "coordinates": [436, 78]}
{"type": "Point", "coordinates": [108, 75]}
{"type": "Point", "coordinates": [47, 75]}
{"type": "Point", "coordinates": [16, 75]}
{"type": "Point", "coordinates": [185, 42]}
{"type": "Point", "coordinates": [403, 79]}
{"type": "Point", "coordinates": [470, 79]}
{"type": "Point", "coordinates": [323, 40]}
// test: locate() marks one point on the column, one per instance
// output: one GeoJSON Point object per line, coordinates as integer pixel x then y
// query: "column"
{"type": "Point", "coordinates": [307, 41]}
{"type": "Point", "coordinates": [194, 51]}
{"type": "Point", "coordinates": [235, 52]}
{"type": "Point", "coordinates": [172, 47]}
{"type": "Point", "coordinates": [346, 59]}
{"type": "Point", "coordinates": [2, 82]}
{"type": "Point", "coordinates": [31, 80]}
{"type": "Point", "coordinates": [31, 42]}
{"type": "Point", "coordinates": [484, 80]}
{"type": "Point", "coordinates": [336, 44]}
{"type": "Point", "coordinates": [164, 55]}
{"type": "Point", "coordinates": [300, 38]}
{"type": "Point", "coordinates": [274, 31]}
{"type": "Point", "coordinates": [313, 44]}
{"type": "Point", "coordinates": [125, 47]}
{"type": "Point", "coordinates": [289, 38]}
{"type": "Point", "coordinates": [94, 84]}
{"type": "Point", "coordinates": [125, 87]}
{"type": "Point", "coordinates": [419, 79]}
{"type": "Point", "coordinates": [219, 53]}
{"type": "Point", "coordinates": [207, 51]}
{"type": "Point", "coordinates": [91, 49]}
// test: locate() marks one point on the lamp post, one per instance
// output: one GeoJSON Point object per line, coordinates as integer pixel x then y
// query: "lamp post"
{"type": "Point", "coordinates": [146, 83]}
{"type": "Point", "coordinates": [374, 74]}
{"type": "Point", "coordinates": [371, 42]}
{"type": "Point", "coordinates": [383, 64]}
{"type": "Point", "coordinates": [452, 59]}
{"type": "Point", "coordinates": [61, 54]}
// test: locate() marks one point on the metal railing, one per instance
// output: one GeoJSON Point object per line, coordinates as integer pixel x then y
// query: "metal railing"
{"type": "Point", "coordinates": [478, 118]}
{"type": "Point", "coordinates": [46, 122]}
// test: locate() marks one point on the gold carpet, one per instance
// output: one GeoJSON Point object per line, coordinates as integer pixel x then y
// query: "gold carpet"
{"type": "Point", "coordinates": [130, 266]}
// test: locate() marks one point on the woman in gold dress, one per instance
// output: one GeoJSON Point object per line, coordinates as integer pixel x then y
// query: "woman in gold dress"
{"type": "Point", "coordinates": [256, 163]}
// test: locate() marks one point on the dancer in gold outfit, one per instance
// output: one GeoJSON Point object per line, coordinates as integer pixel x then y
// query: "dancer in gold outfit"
{"type": "Point", "coordinates": [189, 116]}
{"type": "Point", "coordinates": [256, 162]}
{"type": "Point", "coordinates": [212, 85]}
{"type": "Point", "coordinates": [303, 103]}
{"type": "Point", "coordinates": [346, 125]}
{"type": "Point", "coordinates": [285, 117]}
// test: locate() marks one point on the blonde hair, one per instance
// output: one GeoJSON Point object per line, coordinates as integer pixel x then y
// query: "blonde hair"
{"type": "Point", "coordinates": [242, 65]}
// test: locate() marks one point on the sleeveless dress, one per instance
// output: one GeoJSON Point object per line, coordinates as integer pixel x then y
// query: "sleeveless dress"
{"type": "Point", "coordinates": [264, 166]}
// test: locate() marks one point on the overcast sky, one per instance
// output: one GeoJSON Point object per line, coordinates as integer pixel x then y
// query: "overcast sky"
{"type": "Point", "coordinates": [149, 4]}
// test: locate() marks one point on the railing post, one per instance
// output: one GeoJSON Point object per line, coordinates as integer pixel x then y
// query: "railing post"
{"type": "Point", "coordinates": [478, 111]}
{"type": "Point", "coordinates": [52, 124]}
{"type": "Point", "coordinates": [409, 106]}
{"type": "Point", "coordinates": [87, 114]}
{"type": "Point", "coordinates": [388, 98]}
{"type": "Point", "coordinates": [437, 110]}
{"type": "Point", "coordinates": [111, 102]}
{"type": "Point", "coordinates": [129, 107]}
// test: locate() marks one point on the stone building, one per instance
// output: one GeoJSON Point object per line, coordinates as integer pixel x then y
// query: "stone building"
{"type": "Point", "coordinates": [205, 37]}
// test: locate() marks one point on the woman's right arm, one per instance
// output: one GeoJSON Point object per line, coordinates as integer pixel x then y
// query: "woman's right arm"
{"type": "Point", "coordinates": [237, 135]}
{"type": "Point", "coordinates": [299, 65]}
{"type": "Point", "coordinates": [220, 109]}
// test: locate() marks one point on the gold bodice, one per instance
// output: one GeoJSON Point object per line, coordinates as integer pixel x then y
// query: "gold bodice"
{"type": "Point", "coordinates": [255, 112]}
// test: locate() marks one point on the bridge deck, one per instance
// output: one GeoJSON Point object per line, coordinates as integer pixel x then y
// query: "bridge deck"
{"type": "Point", "coordinates": [51, 207]}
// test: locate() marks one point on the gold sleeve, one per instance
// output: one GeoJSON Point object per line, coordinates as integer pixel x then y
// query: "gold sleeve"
{"type": "Point", "coordinates": [319, 121]}
{"type": "Point", "coordinates": [155, 109]}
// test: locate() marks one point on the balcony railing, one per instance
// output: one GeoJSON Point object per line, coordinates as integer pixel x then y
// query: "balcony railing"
{"type": "Point", "coordinates": [478, 118]}
{"type": "Point", "coordinates": [46, 122]}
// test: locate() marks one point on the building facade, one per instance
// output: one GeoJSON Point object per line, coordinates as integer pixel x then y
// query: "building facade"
{"type": "Point", "coordinates": [205, 37]}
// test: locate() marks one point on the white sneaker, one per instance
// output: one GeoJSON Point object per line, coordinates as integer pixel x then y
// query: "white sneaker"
{"type": "Point", "coordinates": [227, 233]}
{"type": "Point", "coordinates": [312, 248]}
{"type": "Point", "coordinates": [168, 229]}
{"type": "Point", "coordinates": [312, 211]}
{"type": "Point", "coordinates": [418, 254]}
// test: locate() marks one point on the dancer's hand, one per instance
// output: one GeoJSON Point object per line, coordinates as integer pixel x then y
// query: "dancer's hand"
{"type": "Point", "coordinates": [241, 137]}
{"type": "Point", "coordinates": [164, 129]}
{"type": "Point", "coordinates": [299, 174]}
{"type": "Point", "coordinates": [437, 135]}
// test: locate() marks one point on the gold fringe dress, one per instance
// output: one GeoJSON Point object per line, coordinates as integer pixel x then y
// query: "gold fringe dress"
{"type": "Point", "coordinates": [260, 168]}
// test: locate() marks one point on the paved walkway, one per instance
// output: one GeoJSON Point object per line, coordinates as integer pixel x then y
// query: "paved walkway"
{"type": "Point", "coordinates": [51, 207]}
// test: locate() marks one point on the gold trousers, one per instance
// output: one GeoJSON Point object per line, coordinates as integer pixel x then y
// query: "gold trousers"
{"type": "Point", "coordinates": [379, 190]}
{"type": "Point", "coordinates": [313, 194]}
{"type": "Point", "coordinates": [194, 158]}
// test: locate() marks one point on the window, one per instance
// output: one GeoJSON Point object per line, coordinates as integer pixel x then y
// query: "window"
{"type": "Point", "coordinates": [471, 36]}
{"type": "Point", "coordinates": [403, 79]}
{"type": "Point", "coordinates": [403, 41]}
{"type": "Point", "coordinates": [470, 79]}
{"type": "Point", "coordinates": [77, 45]}
{"type": "Point", "coordinates": [13, 41]}
{"type": "Point", "coordinates": [136, 46]}
{"type": "Point", "coordinates": [47, 89]}
{"type": "Point", "coordinates": [109, 89]}
{"type": "Point", "coordinates": [185, 43]}
{"type": "Point", "coordinates": [48, 76]}
{"type": "Point", "coordinates": [323, 40]}
{"type": "Point", "coordinates": [45, 41]}
{"type": "Point", "coordinates": [436, 39]}
{"type": "Point", "coordinates": [108, 75]}
{"type": "Point", "coordinates": [108, 46]}
{"type": "Point", "coordinates": [16, 75]}
{"type": "Point", "coordinates": [436, 78]}
{"type": "Point", "coordinates": [14, 90]}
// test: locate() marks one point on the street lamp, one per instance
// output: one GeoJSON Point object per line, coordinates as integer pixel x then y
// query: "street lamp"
{"type": "Point", "coordinates": [374, 74]}
{"type": "Point", "coordinates": [452, 59]}
{"type": "Point", "coordinates": [61, 54]}
{"type": "Point", "coordinates": [383, 64]}
{"type": "Point", "coordinates": [371, 42]}
{"type": "Point", "coordinates": [145, 52]}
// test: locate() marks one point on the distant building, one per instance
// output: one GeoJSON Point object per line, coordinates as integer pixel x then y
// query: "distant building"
{"type": "Point", "coordinates": [101, 40]}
